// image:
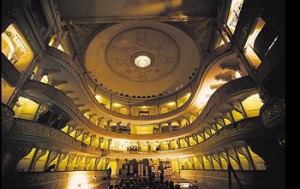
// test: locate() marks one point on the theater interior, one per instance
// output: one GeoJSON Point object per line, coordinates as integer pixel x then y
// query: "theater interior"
{"type": "Point", "coordinates": [142, 94]}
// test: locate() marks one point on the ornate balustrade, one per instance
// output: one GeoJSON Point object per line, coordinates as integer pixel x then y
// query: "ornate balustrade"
{"type": "Point", "coordinates": [30, 131]}
{"type": "Point", "coordinates": [245, 129]}
{"type": "Point", "coordinates": [238, 86]}
{"type": "Point", "coordinates": [248, 128]}
{"type": "Point", "coordinates": [39, 134]}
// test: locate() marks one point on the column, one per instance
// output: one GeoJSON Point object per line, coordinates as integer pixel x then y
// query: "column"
{"type": "Point", "coordinates": [187, 141]}
{"type": "Point", "coordinates": [109, 141]}
{"type": "Point", "coordinates": [200, 159]}
{"type": "Point", "coordinates": [51, 156]}
{"type": "Point", "coordinates": [38, 153]}
{"type": "Point", "coordinates": [220, 161]}
{"type": "Point", "coordinates": [178, 143]}
{"type": "Point", "coordinates": [97, 161]}
{"type": "Point", "coordinates": [238, 159]}
{"type": "Point", "coordinates": [100, 142]}
{"type": "Point", "coordinates": [92, 139]}
{"type": "Point", "coordinates": [250, 157]}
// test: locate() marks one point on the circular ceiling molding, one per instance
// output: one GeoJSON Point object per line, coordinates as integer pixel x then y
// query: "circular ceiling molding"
{"type": "Point", "coordinates": [142, 59]}
{"type": "Point", "coordinates": [130, 53]}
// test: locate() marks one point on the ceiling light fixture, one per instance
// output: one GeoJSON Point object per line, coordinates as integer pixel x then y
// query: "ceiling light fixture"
{"type": "Point", "coordinates": [142, 61]}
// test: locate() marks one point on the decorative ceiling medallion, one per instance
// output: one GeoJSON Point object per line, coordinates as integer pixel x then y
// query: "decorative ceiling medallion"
{"type": "Point", "coordinates": [142, 54]}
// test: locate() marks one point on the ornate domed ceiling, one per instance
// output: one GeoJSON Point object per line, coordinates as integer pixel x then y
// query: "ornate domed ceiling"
{"type": "Point", "coordinates": [158, 52]}
{"type": "Point", "coordinates": [142, 59]}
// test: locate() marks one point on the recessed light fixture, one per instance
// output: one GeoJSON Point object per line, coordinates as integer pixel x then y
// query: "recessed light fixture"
{"type": "Point", "coordinates": [142, 61]}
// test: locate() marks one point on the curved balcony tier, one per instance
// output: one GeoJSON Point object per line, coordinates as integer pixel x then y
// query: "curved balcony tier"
{"type": "Point", "coordinates": [229, 91]}
{"type": "Point", "coordinates": [47, 137]}
{"type": "Point", "coordinates": [81, 85]}
{"type": "Point", "coordinates": [227, 137]}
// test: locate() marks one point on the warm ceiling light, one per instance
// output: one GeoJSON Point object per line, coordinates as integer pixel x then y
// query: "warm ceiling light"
{"type": "Point", "coordinates": [171, 103]}
{"type": "Point", "coordinates": [142, 61]}
{"type": "Point", "coordinates": [98, 97]}
{"type": "Point", "coordinates": [117, 105]}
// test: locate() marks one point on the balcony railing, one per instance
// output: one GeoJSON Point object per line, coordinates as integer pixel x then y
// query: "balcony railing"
{"type": "Point", "coordinates": [41, 91]}
{"type": "Point", "coordinates": [30, 131]}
